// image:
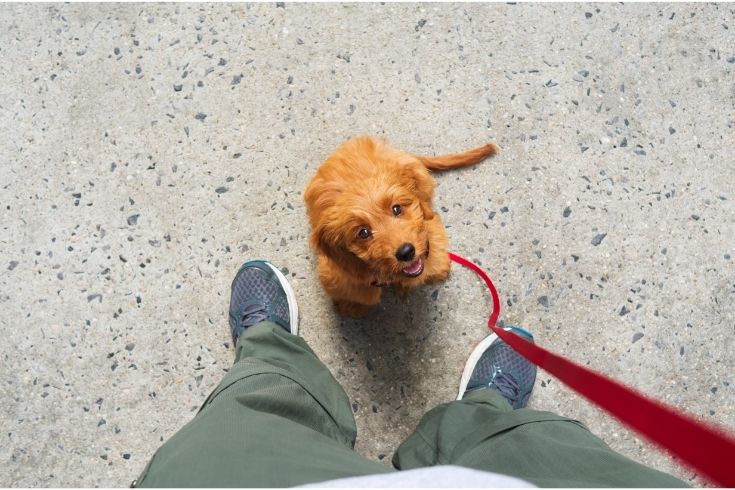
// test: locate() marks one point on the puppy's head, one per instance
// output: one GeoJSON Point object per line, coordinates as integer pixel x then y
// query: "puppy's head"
{"type": "Point", "coordinates": [368, 205]}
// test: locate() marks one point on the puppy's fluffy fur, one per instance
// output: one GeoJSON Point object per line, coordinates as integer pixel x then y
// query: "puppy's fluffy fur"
{"type": "Point", "coordinates": [373, 224]}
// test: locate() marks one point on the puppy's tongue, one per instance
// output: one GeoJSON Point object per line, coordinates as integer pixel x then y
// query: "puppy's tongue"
{"type": "Point", "coordinates": [414, 268]}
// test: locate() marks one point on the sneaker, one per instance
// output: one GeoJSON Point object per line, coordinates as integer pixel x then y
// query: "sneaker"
{"type": "Point", "coordinates": [260, 292]}
{"type": "Point", "coordinates": [496, 365]}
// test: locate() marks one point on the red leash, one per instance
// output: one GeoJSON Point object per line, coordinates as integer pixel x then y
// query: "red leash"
{"type": "Point", "coordinates": [707, 449]}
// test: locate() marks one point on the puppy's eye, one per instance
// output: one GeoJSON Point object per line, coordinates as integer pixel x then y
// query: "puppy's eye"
{"type": "Point", "coordinates": [397, 210]}
{"type": "Point", "coordinates": [364, 233]}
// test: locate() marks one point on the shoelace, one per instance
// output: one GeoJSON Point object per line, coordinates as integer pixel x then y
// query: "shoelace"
{"type": "Point", "coordinates": [253, 315]}
{"type": "Point", "coordinates": [506, 384]}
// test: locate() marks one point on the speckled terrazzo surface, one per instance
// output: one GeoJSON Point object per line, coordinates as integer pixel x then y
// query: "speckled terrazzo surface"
{"type": "Point", "coordinates": [148, 150]}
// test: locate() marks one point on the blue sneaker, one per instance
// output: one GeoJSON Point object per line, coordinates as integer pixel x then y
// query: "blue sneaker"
{"type": "Point", "coordinates": [260, 292]}
{"type": "Point", "coordinates": [496, 365]}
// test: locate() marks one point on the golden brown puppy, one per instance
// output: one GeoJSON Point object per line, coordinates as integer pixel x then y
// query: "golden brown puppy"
{"type": "Point", "coordinates": [373, 224]}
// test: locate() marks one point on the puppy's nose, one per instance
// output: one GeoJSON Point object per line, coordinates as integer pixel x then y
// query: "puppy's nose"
{"type": "Point", "coordinates": [405, 252]}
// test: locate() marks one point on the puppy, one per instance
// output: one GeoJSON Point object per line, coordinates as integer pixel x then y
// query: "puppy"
{"type": "Point", "coordinates": [373, 224]}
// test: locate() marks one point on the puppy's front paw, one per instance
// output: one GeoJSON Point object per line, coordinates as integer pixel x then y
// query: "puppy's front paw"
{"type": "Point", "coordinates": [351, 309]}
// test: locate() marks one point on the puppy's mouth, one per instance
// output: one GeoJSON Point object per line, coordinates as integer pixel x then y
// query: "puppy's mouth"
{"type": "Point", "coordinates": [414, 269]}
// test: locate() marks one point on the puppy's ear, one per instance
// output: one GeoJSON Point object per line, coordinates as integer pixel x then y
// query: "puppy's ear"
{"type": "Point", "coordinates": [327, 243]}
{"type": "Point", "coordinates": [422, 185]}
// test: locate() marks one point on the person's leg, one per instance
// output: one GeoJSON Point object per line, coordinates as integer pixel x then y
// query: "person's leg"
{"type": "Point", "coordinates": [278, 418]}
{"type": "Point", "coordinates": [488, 429]}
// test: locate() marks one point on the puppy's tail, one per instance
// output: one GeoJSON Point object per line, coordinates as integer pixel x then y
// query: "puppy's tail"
{"type": "Point", "coordinates": [455, 160]}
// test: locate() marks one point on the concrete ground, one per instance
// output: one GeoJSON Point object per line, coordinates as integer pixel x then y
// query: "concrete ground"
{"type": "Point", "coordinates": [148, 150]}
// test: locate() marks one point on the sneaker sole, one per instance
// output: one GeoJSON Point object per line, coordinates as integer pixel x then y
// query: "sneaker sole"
{"type": "Point", "coordinates": [477, 353]}
{"type": "Point", "coordinates": [293, 307]}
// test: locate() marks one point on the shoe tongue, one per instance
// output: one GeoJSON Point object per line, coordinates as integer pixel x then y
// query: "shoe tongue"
{"type": "Point", "coordinates": [507, 385]}
{"type": "Point", "coordinates": [253, 314]}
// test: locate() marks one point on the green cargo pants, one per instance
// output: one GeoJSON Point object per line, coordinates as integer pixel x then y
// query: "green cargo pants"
{"type": "Point", "coordinates": [279, 418]}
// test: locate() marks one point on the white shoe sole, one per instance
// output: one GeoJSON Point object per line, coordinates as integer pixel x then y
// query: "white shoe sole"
{"type": "Point", "coordinates": [293, 307]}
{"type": "Point", "coordinates": [469, 366]}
